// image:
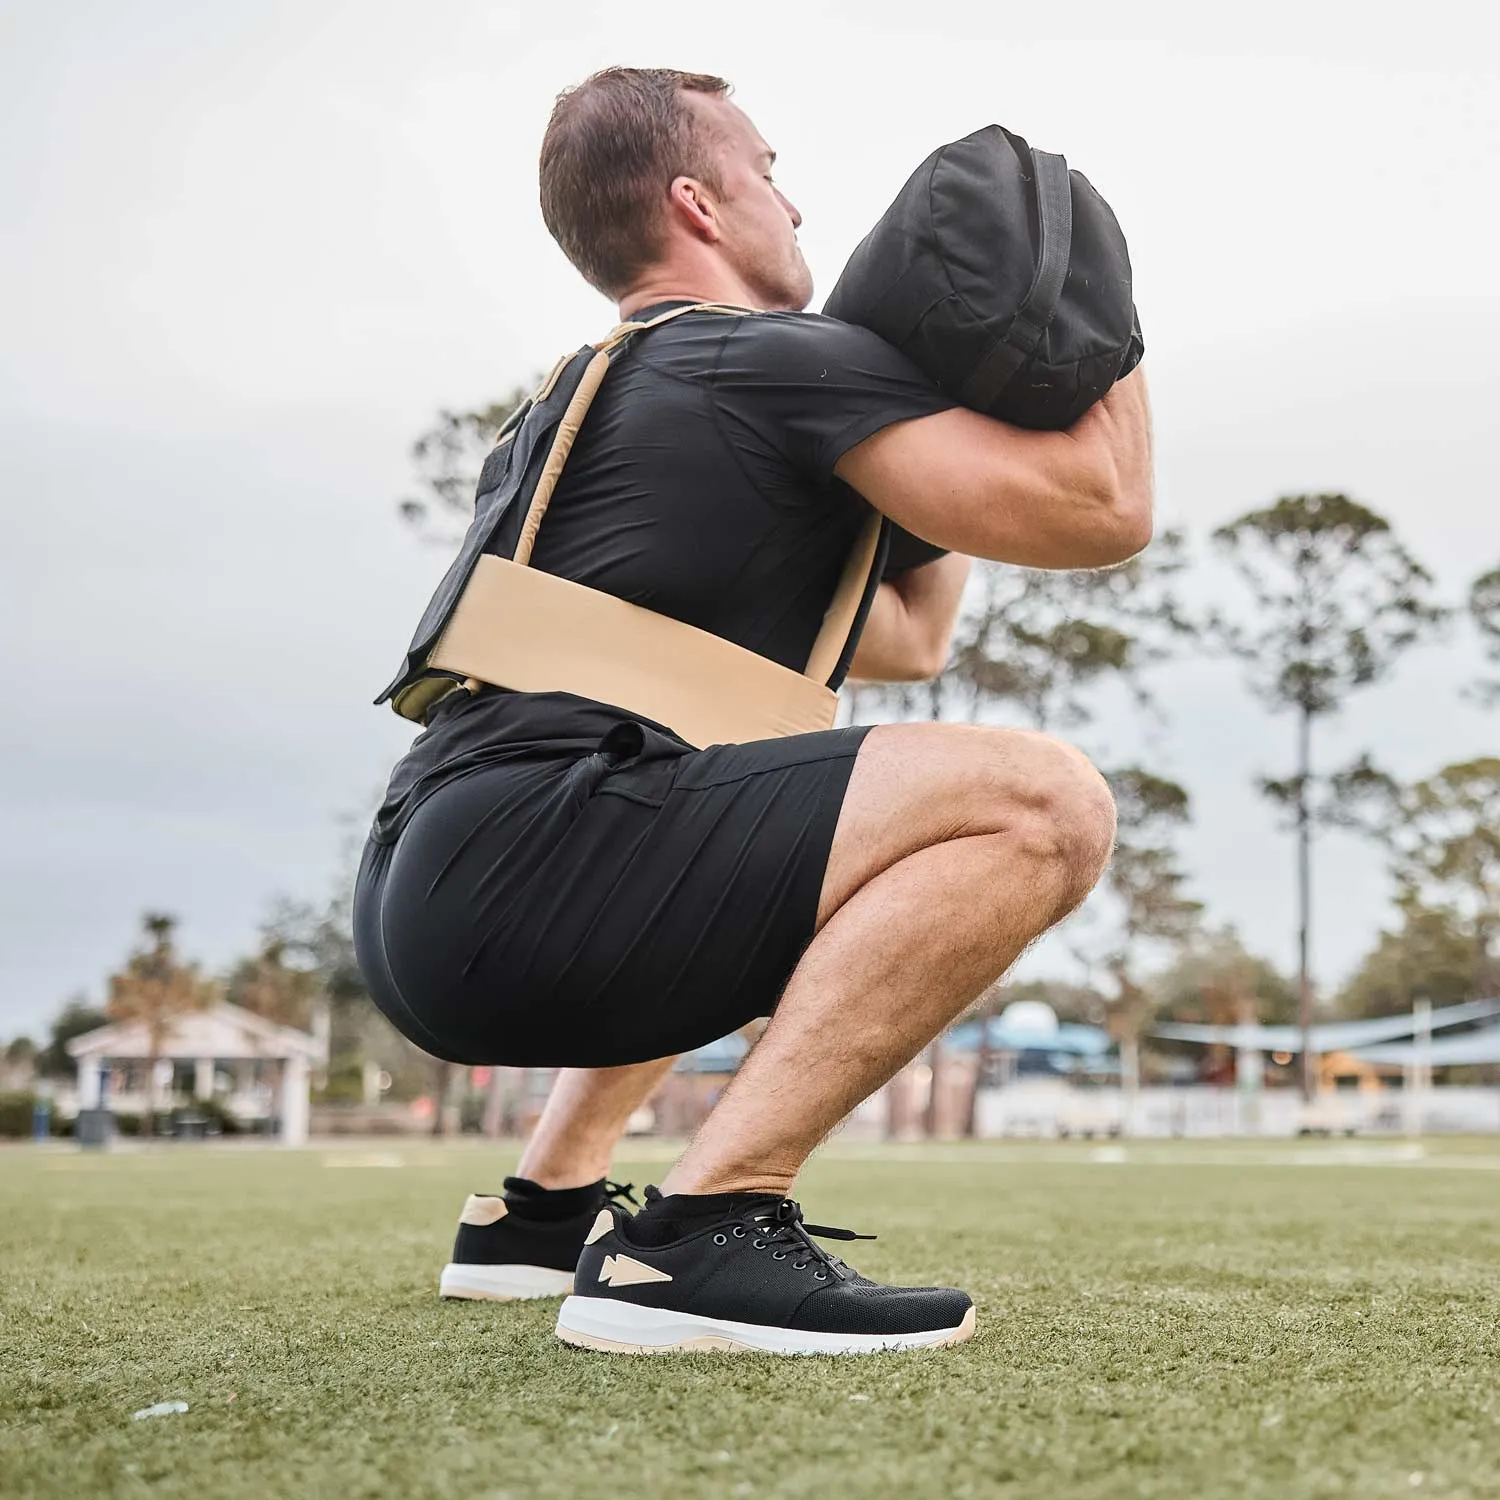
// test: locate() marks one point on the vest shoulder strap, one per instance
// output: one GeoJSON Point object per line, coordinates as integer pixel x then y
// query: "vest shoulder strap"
{"type": "Point", "coordinates": [838, 620]}
{"type": "Point", "coordinates": [577, 409]}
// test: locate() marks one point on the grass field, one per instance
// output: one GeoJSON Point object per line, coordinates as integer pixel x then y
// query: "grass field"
{"type": "Point", "coordinates": [1186, 1321]}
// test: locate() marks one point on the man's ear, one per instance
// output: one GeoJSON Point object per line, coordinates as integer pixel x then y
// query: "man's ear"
{"type": "Point", "coordinates": [694, 209]}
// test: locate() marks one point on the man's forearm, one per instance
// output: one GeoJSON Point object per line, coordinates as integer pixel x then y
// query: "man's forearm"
{"type": "Point", "coordinates": [1122, 420]}
{"type": "Point", "coordinates": [1080, 498]}
{"type": "Point", "coordinates": [907, 635]}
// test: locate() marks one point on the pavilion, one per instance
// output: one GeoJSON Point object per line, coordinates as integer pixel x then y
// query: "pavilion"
{"type": "Point", "coordinates": [259, 1071]}
{"type": "Point", "coordinates": [1470, 1049]}
{"type": "Point", "coordinates": [1332, 1036]}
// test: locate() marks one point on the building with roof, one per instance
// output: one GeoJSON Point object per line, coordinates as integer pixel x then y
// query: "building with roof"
{"type": "Point", "coordinates": [257, 1070]}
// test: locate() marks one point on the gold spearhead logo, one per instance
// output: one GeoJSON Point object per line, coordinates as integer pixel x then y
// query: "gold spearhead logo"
{"type": "Point", "coordinates": [483, 1208]}
{"type": "Point", "coordinates": [621, 1270]}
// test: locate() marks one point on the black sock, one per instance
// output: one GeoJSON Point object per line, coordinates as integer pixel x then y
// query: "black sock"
{"type": "Point", "coordinates": [529, 1200]}
{"type": "Point", "coordinates": [668, 1218]}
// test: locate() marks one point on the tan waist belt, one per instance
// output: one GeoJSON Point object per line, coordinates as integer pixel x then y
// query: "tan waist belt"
{"type": "Point", "coordinates": [520, 628]}
{"type": "Point", "coordinates": [534, 632]}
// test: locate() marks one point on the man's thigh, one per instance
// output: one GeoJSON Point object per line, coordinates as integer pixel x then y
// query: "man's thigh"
{"type": "Point", "coordinates": [916, 785]}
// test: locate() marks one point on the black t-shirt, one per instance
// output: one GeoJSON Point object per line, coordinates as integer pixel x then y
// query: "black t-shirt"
{"type": "Point", "coordinates": [701, 486]}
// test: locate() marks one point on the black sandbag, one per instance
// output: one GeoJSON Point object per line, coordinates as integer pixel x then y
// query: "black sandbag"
{"type": "Point", "coordinates": [1004, 277]}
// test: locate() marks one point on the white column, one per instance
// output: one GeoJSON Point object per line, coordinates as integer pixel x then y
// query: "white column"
{"type": "Point", "coordinates": [203, 1078]}
{"type": "Point", "coordinates": [296, 1102]}
{"type": "Point", "coordinates": [1130, 1085]}
{"type": "Point", "coordinates": [90, 1082]}
{"type": "Point", "coordinates": [160, 1084]}
{"type": "Point", "coordinates": [1422, 1067]}
{"type": "Point", "coordinates": [1249, 1077]}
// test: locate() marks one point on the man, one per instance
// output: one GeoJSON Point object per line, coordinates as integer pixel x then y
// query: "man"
{"type": "Point", "coordinates": [557, 881]}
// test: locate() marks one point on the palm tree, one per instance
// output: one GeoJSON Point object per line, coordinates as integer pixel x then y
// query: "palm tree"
{"type": "Point", "coordinates": [153, 990]}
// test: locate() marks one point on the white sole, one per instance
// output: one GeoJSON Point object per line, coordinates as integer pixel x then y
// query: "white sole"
{"type": "Point", "coordinates": [503, 1283]}
{"type": "Point", "coordinates": [625, 1328]}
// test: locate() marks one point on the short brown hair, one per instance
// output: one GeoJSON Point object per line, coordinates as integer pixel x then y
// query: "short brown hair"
{"type": "Point", "coordinates": [612, 148]}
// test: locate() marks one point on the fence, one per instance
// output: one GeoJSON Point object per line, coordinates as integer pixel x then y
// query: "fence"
{"type": "Point", "coordinates": [1054, 1109]}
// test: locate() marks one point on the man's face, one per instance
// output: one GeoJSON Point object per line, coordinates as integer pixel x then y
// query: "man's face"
{"type": "Point", "coordinates": [759, 223]}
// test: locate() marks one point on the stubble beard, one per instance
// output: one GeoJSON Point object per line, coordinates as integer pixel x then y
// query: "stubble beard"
{"type": "Point", "coordinates": [785, 287]}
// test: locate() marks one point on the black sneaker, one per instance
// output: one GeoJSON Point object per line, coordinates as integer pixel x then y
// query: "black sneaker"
{"type": "Point", "coordinates": [504, 1252]}
{"type": "Point", "coordinates": [755, 1280]}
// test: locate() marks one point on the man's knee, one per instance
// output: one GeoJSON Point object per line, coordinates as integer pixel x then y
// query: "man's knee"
{"type": "Point", "coordinates": [1067, 814]}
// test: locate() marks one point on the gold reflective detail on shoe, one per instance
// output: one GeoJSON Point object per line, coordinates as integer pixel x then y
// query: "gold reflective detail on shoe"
{"type": "Point", "coordinates": [700, 1344]}
{"type": "Point", "coordinates": [621, 1270]}
{"type": "Point", "coordinates": [483, 1208]}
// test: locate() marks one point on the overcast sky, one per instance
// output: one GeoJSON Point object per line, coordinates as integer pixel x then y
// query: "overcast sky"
{"type": "Point", "coordinates": [247, 249]}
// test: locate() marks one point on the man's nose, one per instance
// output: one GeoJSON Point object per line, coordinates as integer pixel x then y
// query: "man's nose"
{"type": "Point", "coordinates": [791, 209]}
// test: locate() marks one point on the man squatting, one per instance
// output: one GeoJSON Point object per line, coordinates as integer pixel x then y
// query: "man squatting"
{"type": "Point", "coordinates": [552, 880]}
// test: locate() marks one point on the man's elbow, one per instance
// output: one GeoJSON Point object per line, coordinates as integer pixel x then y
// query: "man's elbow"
{"type": "Point", "coordinates": [1135, 524]}
{"type": "Point", "coordinates": [931, 653]}
{"type": "Point", "coordinates": [932, 664]}
{"type": "Point", "coordinates": [913, 669]}
{"type": "Point", "coordinates": [917, 661]}
{"type": "Point", "coordinates": [1124, 526]}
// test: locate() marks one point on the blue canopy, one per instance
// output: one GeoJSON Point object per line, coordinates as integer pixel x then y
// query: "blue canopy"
{"type": "Point", "coordinates": [1482, 1046]}
{"type": "Point", "coordinates": [1331, 1036]}
{"type": "Point", "coordinates": [1068, 1038]}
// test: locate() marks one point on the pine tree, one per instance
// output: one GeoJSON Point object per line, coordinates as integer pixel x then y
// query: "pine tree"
{"type": "Point", "coordinates": [1336, 601]}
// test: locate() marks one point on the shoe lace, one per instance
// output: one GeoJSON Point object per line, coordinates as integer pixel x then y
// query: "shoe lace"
{"type": "Point", "coordinates": [618, 1192]}
{"type": "Point", "coordinates": [784, 1226]}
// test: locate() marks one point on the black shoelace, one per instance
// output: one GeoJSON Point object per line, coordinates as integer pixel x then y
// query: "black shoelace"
{"type": "Point", "coordinates": [618, 1192]}
{"type": "Point", "coordinates": [784, 1226]}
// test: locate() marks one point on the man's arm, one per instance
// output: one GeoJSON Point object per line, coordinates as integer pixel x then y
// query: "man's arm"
{"type": "Point", "coordinates": [910, 625]}
{"type": "Point", "coordinates": [1075, 499]}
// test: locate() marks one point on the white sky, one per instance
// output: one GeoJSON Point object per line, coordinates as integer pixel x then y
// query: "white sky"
{"type": "Point", "coordinates": [247, 249]}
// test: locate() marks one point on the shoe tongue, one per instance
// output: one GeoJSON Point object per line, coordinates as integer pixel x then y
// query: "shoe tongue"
{"type": "Point", "coordinates": [689, 1209]}
{"type": "Point", "coordinates": [674, 1216]}
{"type": "Point", "coordinates": [760, 1204]}
{"type": "Point", "coordinates": [720, 1205]}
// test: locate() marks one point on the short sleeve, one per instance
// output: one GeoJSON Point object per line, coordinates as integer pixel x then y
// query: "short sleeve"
{"type": "Point", "coordinates": [810, 388]}
{"type": "Point", "coordinates": [906, 552]}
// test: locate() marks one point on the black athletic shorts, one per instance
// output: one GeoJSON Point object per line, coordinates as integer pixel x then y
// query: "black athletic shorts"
{"type": "Point", "coordinates": [605, 910]}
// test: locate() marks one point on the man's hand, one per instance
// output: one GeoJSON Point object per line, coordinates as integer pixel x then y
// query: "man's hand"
{"type": "Point", "coordinates": [910, 624]}
{"type": "Point", "coordinates": [1075, 499]}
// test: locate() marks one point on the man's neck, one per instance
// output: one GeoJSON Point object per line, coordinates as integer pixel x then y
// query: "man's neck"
{"type": "Point", "coordinates": [676, 285]}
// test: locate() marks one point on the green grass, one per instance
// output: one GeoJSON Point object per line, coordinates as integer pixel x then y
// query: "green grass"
{"type": "Point", "coordinates": [1193, 1321]}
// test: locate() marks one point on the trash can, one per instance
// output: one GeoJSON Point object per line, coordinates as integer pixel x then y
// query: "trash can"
{"type": "Point", "coordinates": [94, 1127]}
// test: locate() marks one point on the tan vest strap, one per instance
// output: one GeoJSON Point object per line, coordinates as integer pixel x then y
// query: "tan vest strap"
{"type": "Point", "coordinates": [838, 621]}
{"type": "Point", "coordinates": [534, 632]}
{"type": "Point", "coordinates": [562, 446]}
{"type": "Point", "coordinates": [545, 388]}
{"type": "Point", "coordinates": [572, 418]}
{"type": "Point", "coordinates": [623, 331]}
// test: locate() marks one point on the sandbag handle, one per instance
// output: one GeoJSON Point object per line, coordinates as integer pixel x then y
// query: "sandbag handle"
{"type": "Point", "coordinates": [1054, 207]}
